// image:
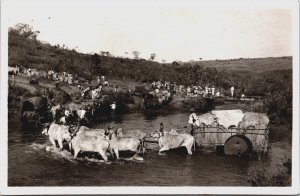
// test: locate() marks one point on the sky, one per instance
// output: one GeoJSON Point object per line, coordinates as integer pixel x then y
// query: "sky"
{"type": "Point", "coordinates": [173, 31]}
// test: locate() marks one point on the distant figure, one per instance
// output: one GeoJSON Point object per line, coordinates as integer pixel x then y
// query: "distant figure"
{"type": "Point", "coordinates": [218, 93]}
{"type": "Point", "coordinates": [29, 72]}
{"type": "Point", "coordinates": [206, 90]}
{"type": "Point", "coordinates": [153, 85]}
{"type": "Point", "coordinates": [161, 129]}
{"type": "Point", "coordinates": [232, 90]}
{"type": "Point", "coordinates": [103, 78]}
{"type": "Point", "coordinates": [213, 91]}
{"type": "Point", "coordinates": [105, 83]}
{"type": "Point", "coordinates": [98, 80]}
{"type": "Point", "coordinates": [188, 90]}
{"type": "Point", "coordinates": [158, 84]}
{"type": "Point", "coordinates": [209, 91]}
{"type": "Point", "coordinates": [113, 107]}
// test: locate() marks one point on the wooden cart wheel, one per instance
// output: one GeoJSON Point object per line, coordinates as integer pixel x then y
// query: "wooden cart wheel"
{"type": "Point", "coordinates": [237, 145]}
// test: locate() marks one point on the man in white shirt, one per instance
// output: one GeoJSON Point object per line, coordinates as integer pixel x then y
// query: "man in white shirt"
{"type": "Point", "coordinates": [113, 107]}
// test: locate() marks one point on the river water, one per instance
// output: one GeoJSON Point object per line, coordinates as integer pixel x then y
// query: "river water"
{"type": "Point", "coordinates": [31, 162]}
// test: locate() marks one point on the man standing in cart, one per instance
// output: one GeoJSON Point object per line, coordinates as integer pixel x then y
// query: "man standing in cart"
{"type": "Point", "coordinates": [192, 120]}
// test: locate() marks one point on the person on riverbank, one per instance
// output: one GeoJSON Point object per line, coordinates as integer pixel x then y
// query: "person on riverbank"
{"type": "Point", "coordinates": [231, 91]}
{"type": "Point", "coordinates": [161, 129]}
{"type": "Point", "coordinates": [98, 80]}
{"type": "Point", "coordinates": [213, 90]}
{"type": "Point", "coordinates": [113, 107]}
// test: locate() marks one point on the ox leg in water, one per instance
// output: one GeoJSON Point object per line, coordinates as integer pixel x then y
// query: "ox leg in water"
{"type": "Point", "coordinates": [117, 153]}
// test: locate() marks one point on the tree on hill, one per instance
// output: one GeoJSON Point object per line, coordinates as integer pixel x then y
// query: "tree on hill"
{"type": "Point", "coordinates": [96, 61]}
{"type": "Point", "coordinates": [105, 53]}
{"type": "Point", "coordinates": [136, 54]}
{"type": "Point", "coordinates": [152, 57]}
{"type": "Point", "coordinates": [25, 31]}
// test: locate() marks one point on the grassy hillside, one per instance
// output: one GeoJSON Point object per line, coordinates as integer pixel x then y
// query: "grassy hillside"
{"type": "Point", "coordinates": [255, 65]}
{"type": "Point", "coordinates": [253, 76]}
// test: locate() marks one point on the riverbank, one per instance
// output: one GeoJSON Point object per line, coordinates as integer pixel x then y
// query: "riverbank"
{"type": "Point", "coordinates": [22, 90]}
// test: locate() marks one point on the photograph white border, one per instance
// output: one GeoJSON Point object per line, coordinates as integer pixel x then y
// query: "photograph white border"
{"type": "Point", "coordinates": [294, 189]}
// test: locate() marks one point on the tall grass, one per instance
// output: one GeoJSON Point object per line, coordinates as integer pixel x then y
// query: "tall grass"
{"type": "Point", "coordinates": [261, 174]}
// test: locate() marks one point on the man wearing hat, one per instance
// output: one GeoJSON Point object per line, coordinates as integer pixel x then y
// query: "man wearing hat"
{"type": "Point", "coordinates": [192, 119]}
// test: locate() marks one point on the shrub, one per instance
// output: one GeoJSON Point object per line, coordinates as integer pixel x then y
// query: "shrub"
{"type": "Point", "coordinates": [262, 175]}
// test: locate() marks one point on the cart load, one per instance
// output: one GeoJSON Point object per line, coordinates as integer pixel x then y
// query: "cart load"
{"type": "Point", "coordinates": [239, 132]}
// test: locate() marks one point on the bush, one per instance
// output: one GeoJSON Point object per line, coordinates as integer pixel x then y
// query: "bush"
{"type": "Point", "coordinates": [278, 106]}
{"type": "Point", "coordinates": [262, 175]}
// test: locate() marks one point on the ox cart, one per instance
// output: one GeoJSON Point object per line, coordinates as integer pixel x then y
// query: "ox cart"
{"type": "Point", "coordinates": [237, 131]}
{"type": "Point", "coordinates": [233, 132]}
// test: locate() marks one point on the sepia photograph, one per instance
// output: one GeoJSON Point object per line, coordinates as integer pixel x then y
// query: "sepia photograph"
{"type": "Point", "coordinates": [149, 97]}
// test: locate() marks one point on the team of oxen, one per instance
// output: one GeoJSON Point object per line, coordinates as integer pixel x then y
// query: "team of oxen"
{"type": "Point", "coordinates": [111, 140]}
{"type": "Point", "coordinates": [67, 126]}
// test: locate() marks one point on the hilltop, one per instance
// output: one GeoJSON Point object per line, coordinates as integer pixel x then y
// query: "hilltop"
{"type": "Point", "coordinates": [254, 65]}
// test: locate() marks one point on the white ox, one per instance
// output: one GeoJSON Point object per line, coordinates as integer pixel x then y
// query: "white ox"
{"type": "Point", "coordinates": [89, 141]}
{"type": "Point", "coordinates": [132, 134]}
{"type": "Point", "coordinates": [123, 144]}
{"type": "Point", "coordinates": [81, 113]}
{"type": "Point", "coordinates": [63, 119]}
{"type": "Point", "coordinates": [173, 140]}
{"type": "Point", "coordinates": [54, 110]}
{"type": "Point", "coordinates": [57, 133]}
{"type": "Point", "coordinates": [13, 70]}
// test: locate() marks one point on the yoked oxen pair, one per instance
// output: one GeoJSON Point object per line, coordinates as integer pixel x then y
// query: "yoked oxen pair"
{"type": "Point", "coordinates": [89, 140]}
{"type": "Point", "coordinates": [173, 139]}
{"type": "Point", "coordinates": [100, 140]}
{"type": "Point", "coordinates": [84, 139]}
